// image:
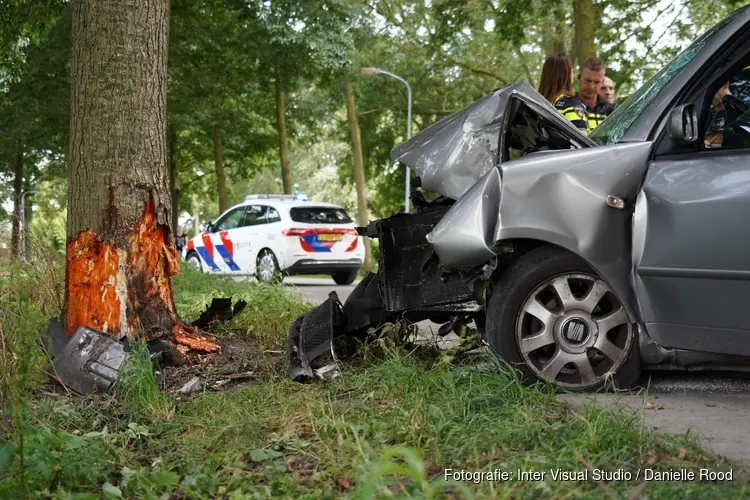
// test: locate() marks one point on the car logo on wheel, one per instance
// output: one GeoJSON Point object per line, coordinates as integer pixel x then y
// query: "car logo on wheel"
{"type": "Point", "coordinates": [575, 331]}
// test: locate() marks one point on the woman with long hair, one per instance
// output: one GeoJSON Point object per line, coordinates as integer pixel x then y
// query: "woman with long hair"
{"type": "Point", "coordinates": [556, 85]}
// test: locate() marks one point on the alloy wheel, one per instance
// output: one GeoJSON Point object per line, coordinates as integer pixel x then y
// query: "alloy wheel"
{"type": "Point", "coordinates": [573, 331]}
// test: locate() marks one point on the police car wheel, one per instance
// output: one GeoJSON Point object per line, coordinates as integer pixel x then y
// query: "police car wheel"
{"type": "Point", "coordinates": [555, 319]}
{"type": "Point", "coordinates": [267, 268]}
{"type": "Point", "coordinates": [344, 277]}
{"type": "Point", "coordinates": [195, 262]}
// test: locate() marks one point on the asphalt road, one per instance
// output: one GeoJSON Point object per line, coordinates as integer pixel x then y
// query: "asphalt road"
{"type": "Point", "coordinates": [712, 406]}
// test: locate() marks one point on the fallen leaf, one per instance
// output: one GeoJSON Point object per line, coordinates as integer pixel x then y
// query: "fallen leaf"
{"type": "Point", "coordinates": [681, 454]}
{"type": "Point", "coordinates": [649, 405]}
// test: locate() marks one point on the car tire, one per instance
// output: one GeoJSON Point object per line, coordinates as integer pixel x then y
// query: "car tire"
{"type": "Point", "coordinates": [267, 267]}
{"type": "Point", "coordinates": [581, 343]}
{"type": "Point", "coordinates": [194, 261]}
{"type": "Point", "coordinates": [344, 277]}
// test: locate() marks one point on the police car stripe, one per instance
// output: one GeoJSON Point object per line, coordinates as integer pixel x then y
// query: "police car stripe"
{"type": "Point", "coordinates": [227, 258]}
{"type": "Point", "coordinates": [314, 244]}
{"type": "Point", "coordinates": [207, 258]}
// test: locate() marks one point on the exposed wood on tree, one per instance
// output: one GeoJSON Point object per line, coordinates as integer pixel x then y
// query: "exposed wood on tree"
{"type": "Point", "coordinates": [15, 234]}
{"type": "Point", "coordinates": [584, 17]}
{"type": "Point", "coordinates": [120, 250]}
{"type": "Point", "coordinates": [286, 169]}
{"type": "Point", "coordinates": [221, 179]}
{"type": "Point", "coordinates": [359, 170]}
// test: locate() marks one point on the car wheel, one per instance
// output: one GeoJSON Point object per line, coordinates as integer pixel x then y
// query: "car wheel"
{"type": "Point", "coordinates": [555, 319]}
{"type": "Point", "coordinates": [344, 277]}
{"type": "Point", "coordinates": [195, 262]}
{"type": "Point", "coordinates": [267, 268]}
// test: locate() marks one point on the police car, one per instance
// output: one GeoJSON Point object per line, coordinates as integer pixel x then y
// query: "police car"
{"type": "Point", "coordinates": [269, 236]}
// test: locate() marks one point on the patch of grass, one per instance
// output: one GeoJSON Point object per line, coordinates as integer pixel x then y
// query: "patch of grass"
{"type": "Point", "coordinates": [391, 426]}
{"type": "Point", "coordinates": [270, 311]}
{"type": "Point", "coordinates": [136, 385]}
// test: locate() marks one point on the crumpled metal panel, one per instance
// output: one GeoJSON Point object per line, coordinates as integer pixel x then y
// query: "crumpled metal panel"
{"type": "Point", "coordinates": [557, 198]}
{"type": "Point", "coordinates": [89, 362]}
{"type": "Point", "coordinates": [451, 155]}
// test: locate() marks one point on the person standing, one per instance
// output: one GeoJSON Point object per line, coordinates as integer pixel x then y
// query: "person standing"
{"type": "Point", "coordinates": [180, 240]}
{"type": "Point", "coordinates": [556, 85]}
{"type": "Point", "coordinates": [607, 90]}
{"type": "Point", "coordinates": [590, 80]}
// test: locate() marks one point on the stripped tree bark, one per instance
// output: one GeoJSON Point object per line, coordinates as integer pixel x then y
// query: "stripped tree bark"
{"type": "Point", "coordinates": [120, 250]}
{"type": "Point", "coordinates": [359, 170]}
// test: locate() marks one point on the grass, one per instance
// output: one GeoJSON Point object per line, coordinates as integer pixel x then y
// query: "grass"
{"type": "Point", "coordinates": [390, 427]}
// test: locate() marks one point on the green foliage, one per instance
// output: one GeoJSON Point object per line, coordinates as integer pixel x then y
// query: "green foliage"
{"type": "Point", "coordinates": [271, 308]}
{"type": "Point", "coordinates": [140, 395]}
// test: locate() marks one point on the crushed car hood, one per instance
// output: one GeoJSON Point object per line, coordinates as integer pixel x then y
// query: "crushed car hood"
{"type": "Point", "coordinates": [453, 154]}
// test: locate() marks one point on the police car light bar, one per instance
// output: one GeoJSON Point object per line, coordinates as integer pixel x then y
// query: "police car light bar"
{"type": "Point", "coordinates": [269, 196]}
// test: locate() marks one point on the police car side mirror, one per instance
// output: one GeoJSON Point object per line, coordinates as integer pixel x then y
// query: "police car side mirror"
{"type": "Point", "coordinates": [683, 124]}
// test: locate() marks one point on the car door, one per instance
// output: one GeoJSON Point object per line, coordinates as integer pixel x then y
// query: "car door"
{"type": "Point", "coordinates": [691, 241]}
{"type": "Point", "coordinates": [218, 245]}
{"type": "Point", "coordinates": [246, 238]}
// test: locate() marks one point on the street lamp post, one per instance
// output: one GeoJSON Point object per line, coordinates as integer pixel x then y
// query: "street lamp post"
{"type": "Point", "coordinates": [377, 71]}
{"type": "Point", "coordinates": [24, 231]}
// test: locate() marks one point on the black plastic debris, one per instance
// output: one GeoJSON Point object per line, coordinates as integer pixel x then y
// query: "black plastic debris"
{"type": "Point", "coordinates": [89, 362]}
{"type": "Point", "coordinates": [310, 350]}
{"type": "Point", "coordinates": [220, 310]}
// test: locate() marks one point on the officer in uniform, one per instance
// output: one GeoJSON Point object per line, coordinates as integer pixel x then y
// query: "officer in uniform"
{"type": "Point", "coordinates": [556, 85]}
{"type": "Point", "coordinates": [590, 80]}
{"type": "Point", "coordinates": [574, 110]}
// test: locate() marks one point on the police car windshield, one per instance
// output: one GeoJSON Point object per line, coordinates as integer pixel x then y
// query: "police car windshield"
{"type": "Point", "coordinates": [617, 124]}
{"type": "Point", "coordinates": [319, 215]}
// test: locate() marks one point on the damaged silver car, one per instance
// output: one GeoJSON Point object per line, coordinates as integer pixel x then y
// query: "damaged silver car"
{"type": "Point", "coordinates": [581, 259]}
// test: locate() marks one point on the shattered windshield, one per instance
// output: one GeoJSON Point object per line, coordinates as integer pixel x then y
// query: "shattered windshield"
{"type": "Point", "coordinates": [615, 126]}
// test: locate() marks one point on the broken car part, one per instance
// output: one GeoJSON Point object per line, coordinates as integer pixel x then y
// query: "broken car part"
{"type": "Point", "coordinates": [89, 362]}
{"type": "Point", "coordinates": [220, 310]}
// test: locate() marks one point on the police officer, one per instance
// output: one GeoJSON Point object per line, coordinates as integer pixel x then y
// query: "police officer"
{"type": "Point", "coordinates": [590, 81]}
{"type": "Point", "coordinates": [556, 85]}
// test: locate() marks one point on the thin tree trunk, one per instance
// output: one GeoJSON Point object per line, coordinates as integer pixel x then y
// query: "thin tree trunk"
{"type": "Point", "coordinates": [120, 250]}
{"type": "Point", "coordinates": [555, 33]}
{"type": "Point", "coordinates": [173, 177]}
{"type": "Point", "coordinates": [221, 179]}
{"type": "Point", "coordinates": [584, 19]}
{"type": "Point", "coordinates": [15, 233]}
{"type": "Point", "coordinates": [27, 215]}
{"type": "Point", "coordinates": [286, 170]}
{"type": "Point", "coordinates": [359, 170]}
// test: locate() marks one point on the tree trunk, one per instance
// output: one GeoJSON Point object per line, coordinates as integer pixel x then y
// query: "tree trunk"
{"type": "Point", "coordinates": [27, 214]}
{"type": "Point", "coordinates": [120, 250]}
{"type": "Point", "coordinates": [584, 17]}
{"type": "Point", "coordinates": [359, 170]}
{"type": "Point", "coordinates": [286, 170]}
{"type": "Point", "coordinates": [221, 179]}
{"type": "Point", "coordinates": [15, 233]}
{"type": "Point", "coordinates": [555, 32]}
{"type": "Point", "coordinates": [173, 177]}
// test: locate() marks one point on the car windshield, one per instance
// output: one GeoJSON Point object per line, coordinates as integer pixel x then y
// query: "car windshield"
{"type": "Point", "coordinates": [615, 126]}
{"type": "Point", "coordinates": [319, 215]}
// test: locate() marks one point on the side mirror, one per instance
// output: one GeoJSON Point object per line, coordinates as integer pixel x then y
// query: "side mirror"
{"type": "Point", "coordinates": [210, 227]}
{"type": "Point", "coordinates": [683, 124]}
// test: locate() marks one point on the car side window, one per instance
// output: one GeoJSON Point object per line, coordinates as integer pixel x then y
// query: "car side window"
{"type": "Point", "coordinates": [273, 215]}
{"type": "Point", "coordinates": [231, 220]}
{"type": "Point", "coordinates": [255, 215]}
{"type": "Point", "coordinates": [728, 121]}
